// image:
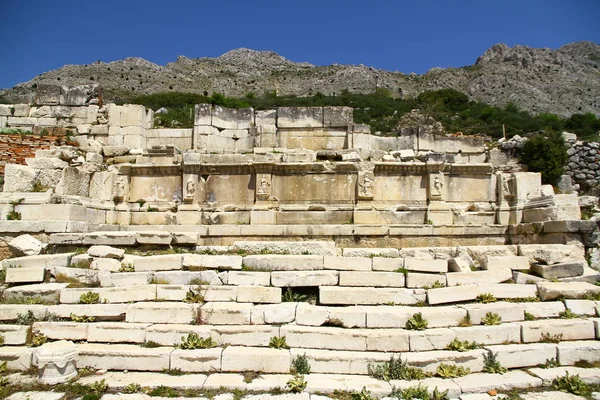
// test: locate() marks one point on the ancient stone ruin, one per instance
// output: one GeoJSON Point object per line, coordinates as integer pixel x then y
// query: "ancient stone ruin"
{"type": "Point", "coordinates": [291, 249]}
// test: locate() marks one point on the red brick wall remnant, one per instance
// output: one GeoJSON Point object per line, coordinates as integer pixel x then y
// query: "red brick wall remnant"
{"type": "Point", "coordinates": [14, 149]}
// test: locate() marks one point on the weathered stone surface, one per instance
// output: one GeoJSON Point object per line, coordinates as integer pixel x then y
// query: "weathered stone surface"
{"type": "Point", "coordinates": [62, 330]}
{"type": "Point", "coordinates": [123, 294]}
{"type": "Point", "coordinates": [125, 279]}
{"type": "Point", "coordinates": [17, 358]}
{"type": "Point", "coordinates": [373, 279]}
{"type": "Point", "coordinates": [48, 262]}
{"type": "Point", "coordinates": [117, 332]}
{"type": "Point", "coordinates": [106, 264]}
{"type": "Point", "coordinates": [106, 252]}
{"type": "Point", "coordinates": [352, 296]}
{"type": "Point", "coordinates": [329, 338]}
{"type": "Point", "coordinates": [123, 357]}
{"type": "Point", "coordinates": [571, 352]}
{"type": "Point", "coordinates": [317, 248]}
{"type": "Point", "coordinates": [274, 313]}
{"type": "Point", "coordinates": [283, 262]}
{"type": "Point", "coordinates": [304, 278]}
{"type": "Point", "coordinates": [110, 238]}
{"type": "Point", "coordinates": [417, 265]}
{"type": "Point", "coordinates": [431, 384]}
{"type": "Point", "coordinates": [199, 360]}
{"type": "Point", "coordinates": [459, 265]}
{"type": "Point", "coordinates": [370, 252]}
{"type": "Point", "coordinates": [249, 278]}
{"type": "Point", "coordinates": [493, 334]}
{"type": "Point", "coordinates": [153, 237]}
{"type": "Point", "coordinates": [74, 182]}
{"type": "Point", "coordinates": [567, 329]}
{"type": "Point", "coordinates": [523, 355]}
{"type": "Point", "coordinates": [571, 290]}
{"type": "Point", "coordinates": [345, 263]}
{"type": "Point", "coordinates": [102, 312]}
{"type": "Point", "coordinates": [22, 275]}
{"type": "Point", "coordinates": [429, 360]}
{"type": "Point", "coordinates": [482, 383]}
{"type": "Point", "coordinates": [500, 262]}
{"type": "Point", "coordinates": [258, 294]}
{"type": "Point", "coordinates": [509, 312]}
{"type": "Point", "coordinates": [120, 380]}
{"type": "Point", "coordinates": [186, 277]}
{"type": "Point", "coordinates": [387, 264]}
{"type": "Point", "coordinates": [225, 313]}
{"type": "Point", "coordinates": [509, 291]}
{"type": "Point", "coordinates": [329, 383]}
{"type": "Point", "coordinates": [158, 263]}
{"type": "Point", "coordinates": [228, 262]}
{"type": "Point", "coordinates": [161, 313]}
{"type": "Point", "coordinates": [558, 270]}
{"type": "Point", "coordinates": [582, 307]}
{"type": "Point", "coordinates": [340, 362]}
{"type": "Point", "coordinates": [547, 375]}
{"type": "Point", "coordinates": [418, 280]}
{"type": "Point", "coordinates": [19, 178]}
{"type": "Point", "coordinates": [452, 294]}
{"type": "Point", "coordinates": [25, 245]}
{"type": "Point", "coordinates": [46, 163]}
{"type": "Point", "coordinates": [14, 335]}
{"type": "Point", "coordinates": [47, 292]}
{"type": "Point", "coordinates": [551, 253]}
{"type": "Point", "coordinates": [396, 317]}
{"type": "Point", "coordinates": [544, 310]}
{"type": "Point", "coordinates": [265, 360]}
{"type": "Point", "coordinates": [478, 277]}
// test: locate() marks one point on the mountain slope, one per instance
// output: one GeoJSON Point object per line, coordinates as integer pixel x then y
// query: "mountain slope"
{"type": "Point", "coordinates": [562, 81]}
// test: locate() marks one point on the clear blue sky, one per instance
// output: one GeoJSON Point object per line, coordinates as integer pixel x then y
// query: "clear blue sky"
{"type": "Point", "coordinates": [397, 35]}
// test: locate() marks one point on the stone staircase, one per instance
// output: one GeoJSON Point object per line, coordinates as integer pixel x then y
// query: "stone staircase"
{"type": "Point", "coordinates": [260, 307]}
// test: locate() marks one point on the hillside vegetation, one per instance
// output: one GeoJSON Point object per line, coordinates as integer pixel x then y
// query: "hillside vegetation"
{"type": "Point", "coordinates": [383, 112]}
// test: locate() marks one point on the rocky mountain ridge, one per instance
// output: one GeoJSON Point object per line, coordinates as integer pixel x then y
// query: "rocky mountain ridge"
{"type": "Point", "coordinates": [562, 81]}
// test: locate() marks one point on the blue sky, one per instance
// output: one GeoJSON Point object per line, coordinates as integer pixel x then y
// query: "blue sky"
{"type": "Point", "coordinates": [406, 36]}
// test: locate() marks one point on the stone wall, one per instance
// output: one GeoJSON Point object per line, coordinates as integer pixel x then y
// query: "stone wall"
{"type": "Point", "coordinates": [14, 149]}
{"type": "Point", "coordinates": [584, 165]}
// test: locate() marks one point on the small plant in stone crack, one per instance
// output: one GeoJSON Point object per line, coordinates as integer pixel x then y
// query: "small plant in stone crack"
{"type": "Point", "coordinates": [572, 384]}
{"type": "Point", "coordinates": [416, 322]}
{"type": "Point", "coordinates": [396, 368]}
{"type": "Point", "coordinates": [89, 298]}
{"type": "Point", "coordinates": [1, 340]}
{"type": "Point", "coordinates": [457, 345]}
{"type": "Point", "coordinates": [193, 341]}
{"type": "Point", "coordinates": [38, 339]}
{"type": "Point", "coordinates": [568, 314]}
{"type": "Point", "coordinates": [4, 381]}
{"type": "Point", "coordinates": [132, 388]}
{"type": "Point", "coordinates": [466, 321]}
{"type": "Point", "coordinates": [491, 365]}
{"type": "Point", "coordinates": [150, 344]}
{"type": "Point", "coordinates": [82, 318]}
{"type": "Point", "coordinates": [127, 267]}
{"type": "Point", "coordinates": [364, 394]}
{"type": "Point", "coordinates": [435, 285]}
{"type": "Point", "coordinates": [193, 296]}
{"type": "Point", "coordinates": [300, 365]}
{"type": "Point", "coordinates": [290, 296]}
{"type": "Point", "coordinates": [486, 298]}
{"type": "Point", "coordinates": [3, 367]}
{"type": "Point", "coordinates": [491, 318]}
{"type": "Point", "coordinates": [546, 337]}
{"type": "Point", "coordinates": [278, 342]}
{"type": "Point", "coordinates": [550, 363]}
{"type": "Point", "coordinates": [418, 392]}
{"type": "Point", "coordinates": [451, 371]}
{"type": "Point", "coordinates": [98, 387]}
{"type": "Point", "coordinates": [529, 316]}
{"type": "Point", "coordinates": [26, 319]}
{"type": "Point", "coordinates": [296, 384]}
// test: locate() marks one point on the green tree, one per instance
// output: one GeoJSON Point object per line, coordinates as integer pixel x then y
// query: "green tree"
{"type": "Point", "coordinates": [546, 154]}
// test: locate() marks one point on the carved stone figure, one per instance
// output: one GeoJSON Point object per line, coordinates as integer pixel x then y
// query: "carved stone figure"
{"type": "Point", "coordinates": [190, 186]}
{"type": "Point", "coordinates": [121, 188]}
{"type": "Point", "coordinates": [264, 188]}
{"type": "Point", "coordinates": [365, 186]}
{"type": "Point", "coordinates": [437, 184]}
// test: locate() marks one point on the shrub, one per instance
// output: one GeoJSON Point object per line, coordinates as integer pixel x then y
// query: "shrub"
{"type": "Point", "coordinates": [395, 369]}
{"type": "Point", "coordinates": [127, 267]}
{"type": "Point", "coordinates": [82, 318]}
{"type": "Point", "coordinates": [491, 319]}
{"type": "Point", "coordinates": [451, 371]}
{"type": "Point", "coordinates": [99, 387]}
{"type": "Point", "coordinates": [89, 298]}
{"type": "Point", "coordinates": [529, 316]}
{"type": "Point", "coordinates": [296, 384]}
{"type": "Point", "coordinates": [466, 321]}
{"type": "Point", "coordinates": [546, 154]}
{"type": "Point", "coordinates": [300, 365]}
{"type": "Point", "coordinates": [132, 388]}
{"type": "Point", "coordinates": [26, 319]}
{"type": "Point", "coordinates": [418, 392]}
{"type": "Point", "coordinates": [364, 394]}
{"type": "Point", "coordinates": [193, 297]}
{"type": "Point", "coordinates": [278, 342]}
{"type": "Point", "coordinates": [546, 337]}
{"type": "Point", "coordinates": [486, 298]}
{"type": "Point", "coordinates": [38, 339]}
{"type": "Point", "coordinates": [416, 322]}
{"type": "Point", "coordinates": [457, 345]}
{"type": "Point", "coordinates": [193, 341]}
{"type": "Point", "coordinates": [163, 391]}
{"type": "Point", "coordinates": [572, 384]}
{"type": "Point", "coordinates": [491, 365]}
{"type": "Point", "coordinates": [13, 215]}
{"type": "Point", "coordinates": [568, 314]}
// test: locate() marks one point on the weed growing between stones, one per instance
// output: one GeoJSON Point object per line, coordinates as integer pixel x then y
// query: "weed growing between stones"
{"type": "Point", "coordinates": [1, 340]}
{"type": "Point", "coordinates": [587, 364]}
{"type": "Point", "coordinates": [193, 341]}
{"type": "Point", "coordinates": [26, 319]}
{"type": "Point", "coordinates": [418, 392]}
{"type": "Point", "coordinates": [132, 388]}
{"type": "Point", "coordinates": [491, 365]}
{"type": "Point", "coordinates": [568, 314]}
{"type": "Point", "coordinates": [529, 316]}
{"type": "Point", "coordinates": [451, 371]}
{"type": "Point", "coordinates": [38, 339]}
{"type": "Point", "coordinates": [546, 337]}
{"type": "Point", "coordinates": [491, 319]}
{"type": "Point", "coordinates": [395, 369]}
{"type": "Point", "coordinates": [149, 344]}
{"type": "Point", "coordinates": [364, 394]}
{"type": "Point", "coordinates": [550, 363]}
{"type": "Point", "coordinates": [278, 342]}
{"type": "Point", "coordinates": [416, 323]}
{"type": "Point", "coordinates": [572, 384]}
{"type": "Point", "coordinates": [299, 295]}
{"type": "Point", "coordinates": [466, 321]}
{"type": "Point", "coordinates": [249, 376]}
{"type": "Point", "coordinates": [127, 267]}
{"type": "Point", "coordinates": [486, 298]}
{"type": "Point", "coordinates": [436, 285]}
{"type": "Point", "coordinates": [300, 365]}
{"type": "Point", "coordinates": [296, 384]}
{"type": "Point", "coordinates": [89, 298]}
{"type": "Point", "coordinates": [82, 318]}
{"type": "Point", "coordinates": [173, 371]}
{"type": "Point", "coordinates": [457, 345]}
{"type": "Point", "coordinates": [193, 296]}
{"type": "Point", "coordinates": [2, 275]}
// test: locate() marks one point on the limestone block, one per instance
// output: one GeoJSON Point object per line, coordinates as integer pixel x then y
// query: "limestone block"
{"type": "Point", "coordinates": [452, 294]}
{"type": "Point", "coordinates": [352, 296]}
{"type": "Point", "coordinates": [418, 280]}
{"type": "Point", "coordinates": [558, 270]}
{"type": "Point", "coordinates": [46, 163]}
{"type": "Point", "coordinates": [587, 375]}
{"type": "Point", "coordinates": [158, 263]}
{"type": "Point", "coordinates": [219, 293]}
{"type": "Point", "coordinates": [317, 248]}
{"type": "Point", "coordinates": [258, 294]}
{"type": "Point", "coordinates": [490, 334]}
{"type": "Point", "coordinates": [106, 252]}
{"type": "Point", "coordinates": [482, 383]}
{"type": "Point", "coordinates": [18, 178]}
{"type": "Point", "coordinates": [523, 355]}
{"type": "Point", "coordinates": [329, 338]}
{"type": "Point", "coordinates": [25, 245]}
{"type": "Point", "coordinates": [185, 238]}
{"type": "Point", "coordinates": [329, 383]}
{"type": "Point", "coordinates": [522, 278]}
{"type": "Point", "coordinates": [229, 118]}
{"type": "Point", "coordinates": [199, 360]}
{"type": "Point", "coordinates": [459, 265]}
{"type": "Point", "coordinates": [270, 361]}
{"type": "Point", "coordinates": [221, 261]}
{"type": "Point", "coordinates": [17, 358]}
{"type": "Point", "coordinates": [300, 117]}
{"type": "Point", "coordinates": [155, 237]}
{"type": "Point", "coordinates": [478, 277]}
{"type": "Point", "coordinates": [249, 278]}
{"type": "Point", "coordinates": [14, 335]}
{"type": "Point", "coordinates": [276, 262]}
{"type": "Point", "coordinates": [105, 264]}
{"type": "Point", "coordinates": [509, 291]}
{"type": "Point", "coordinates": [570, 329]}
{"type": "Point", "coordinates": [114, 151]}
{"type": "Point", "coordinates": [225, 313]}
{"type": "Point", "coordinates": [429, 360]}
{"type": "Point", "coordinates": [569, 290]}
{"type": "Point", "coordinates": [245, 335]}
{"type": "Point", "coordinates": [102, 312]}
{"type": "Point", "coordinates": [545, 309]}
{"type": "Point", "coordinates": [370, 252]}
{"type": "Point", "coordinates": [48, 292]}
{"type": "Point", "coordinates": [582, 307]}
{"type": "Point", "coordinates": [431, 339]}
{"type": "Point", "coordinates": [117, 332]}
{"type": "Point", "coordinates": [231, 381]}
{"type": "Point", "coordinates": [119, 380]}
{"type": "Point", "coordinates": [74, 182]}
{"type": "Point", "coordinates": [161, 313]}
{"type": "Point", "coordinates": [387, 264]}
{"type": "Point", "coordinates": [311, 315]}
{"type": "Point", "coordinates": [110, 238]}
{"type": "Point", "coordinates": [374, 279]}
{"type": "Point", "coordinates": [62, 330]}
{"type": "Point", "coordinates": [202, 114]}
{"type": "Point", "coordinates": [5, 110]}
{"type": "Point", "coordinates": [338, 117]}
{"type": "Point", "coordinates": [23, 275]}
{"type": "Point", "coordinates": [396, 317]}
{"type": "Point", "coordinates": [431, 384]}
{"type": "Point", "coordinates": [501, 262]}
{"type": "Point", "coordinates": [551, 253]}
{"type": "Point", "coordinates": [123, 357]}
{"type": "Point", "coordinates": [123, 294]}
{"type": "Point", "coordinates": [509, 312]}
{"type": "Point", "coordinates": [304, 278]}
{"type": "Point", "coordinates": [101, 185]}
{"type": "Point", "coordinates": [173, 334]}
{"type": "Point", "coordinates": [387, 340]}
{"type": "Point", "coordinates": [347, 317]}
{"type": "Point", "coordinates": [571, 352]}
{"type": "Point", "coordinates": [274, 313]}
{"type": "Point", "coordinates": [299, 156]}
{"type": "Point", "coordinates": [21, 121]}
{"type": "Point", "coordinates": [340, 362]}
{"type": "Point", "coordinates": [132, 115]}
{"type": "Point", "coordinates": [417, 265]}
{"type": "Point", "coordinates": [21, 110]}
{"type": "Point", "coordinates": [347, 263]}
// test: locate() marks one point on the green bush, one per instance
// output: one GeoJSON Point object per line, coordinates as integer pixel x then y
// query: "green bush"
{"type": "Point", "coordinates": [395, 369]}
{"type": "Point", "coordinates": [546, 154]}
